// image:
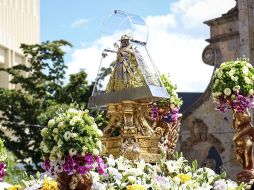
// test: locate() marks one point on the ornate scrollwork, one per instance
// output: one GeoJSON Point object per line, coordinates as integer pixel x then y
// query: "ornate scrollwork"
{"type": "Point", "coordinates": [210, 55]}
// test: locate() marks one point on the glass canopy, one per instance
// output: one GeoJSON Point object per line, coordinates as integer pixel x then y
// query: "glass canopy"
{"type": "Point", "coordinates": [126, 70]}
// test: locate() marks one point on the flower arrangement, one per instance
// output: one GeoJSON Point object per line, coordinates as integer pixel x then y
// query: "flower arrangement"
{"type": "Point", "coordinates": [71, 144]}
{"type": "Point", "coordinates": [233, 85]}
{"type": "Point", "coordinates": [173, 103]}
{"type": "Point", "coordinates": [3, 156]}
{"type": "Point", "coordinates": [176, 174]}
{"type": "Point", "coordinates": [44, 183]}
{"type": "Point", "coordinates": [15, 187]}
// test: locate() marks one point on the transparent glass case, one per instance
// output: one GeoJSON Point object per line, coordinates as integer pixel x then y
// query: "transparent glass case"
{"type": "Point", "coordinates": [126, 70]}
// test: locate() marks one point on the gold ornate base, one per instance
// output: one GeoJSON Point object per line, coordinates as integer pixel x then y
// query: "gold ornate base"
{"type": "Point", "coordinates": [133, 147]}
{"type": "Point", "coordinates": [132, 133]}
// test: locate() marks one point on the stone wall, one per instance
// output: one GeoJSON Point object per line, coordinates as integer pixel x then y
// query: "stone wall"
{"type": "Point", "coordinates": [206, 134]}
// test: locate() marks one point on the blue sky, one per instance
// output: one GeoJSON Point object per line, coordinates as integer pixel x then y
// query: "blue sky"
{"type": "Point", "coordinates": [176, 33]}
{"type": "Point", "coordinates": [58, 16]}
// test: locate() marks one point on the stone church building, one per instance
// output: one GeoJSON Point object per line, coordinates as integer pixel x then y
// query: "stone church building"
{"type": "Point", "coordinates": [206, 134]}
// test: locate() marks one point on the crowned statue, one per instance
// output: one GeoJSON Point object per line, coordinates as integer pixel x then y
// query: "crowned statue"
{"type": "Point", "coordinates": [127, 95]}
{"type": "Point", "coordinates": [126, 72]}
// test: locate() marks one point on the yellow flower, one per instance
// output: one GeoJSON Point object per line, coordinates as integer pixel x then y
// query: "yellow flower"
{"type": "Point", "coordinates": [231, 188]}
{"type": "Point", "coordinates": [136, 187]}
{"type": "Point", "coordinates": [15, 187]}
{"type": "Point", "coordinates": [184, 177]}
{"type": "Point", "coordinates": [49, 185]}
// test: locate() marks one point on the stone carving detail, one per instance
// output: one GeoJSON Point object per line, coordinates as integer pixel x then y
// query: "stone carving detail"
{"type": "Point", "coordinates": [199, 143]}
{"type": "Point", "coordinates": [211, 55]}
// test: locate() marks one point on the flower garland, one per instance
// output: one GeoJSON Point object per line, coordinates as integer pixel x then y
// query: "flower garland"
{"type": "Point", "coordinates": [3, 157]}
{"type": "Point", "coordinates": [172, 104]}
{"type": "Point", "coordinates": [71, 144]}
{"type": "Point", "coordinates": [233, 86]}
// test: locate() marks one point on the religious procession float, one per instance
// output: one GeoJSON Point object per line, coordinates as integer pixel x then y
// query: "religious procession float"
{"type": "Point", "coordinates": [136, 149]}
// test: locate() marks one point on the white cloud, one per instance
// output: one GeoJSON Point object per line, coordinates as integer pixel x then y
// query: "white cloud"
{"type": "Point", "coordinates": [163, 22]}
{"type": "Point", "coordinates": [80, 23]}
{"type": "Point", "coordinates": [194, 12]}
{"type": "Point", "coordinates": [173, 48]}
{"type": "Point", "coordinates": [88, 59]}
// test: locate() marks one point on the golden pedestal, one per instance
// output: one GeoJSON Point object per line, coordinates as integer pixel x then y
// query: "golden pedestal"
{"type": "Point", "coordinates": [131, 133]}
{"type": "Point", "coordinates": [136, 139]}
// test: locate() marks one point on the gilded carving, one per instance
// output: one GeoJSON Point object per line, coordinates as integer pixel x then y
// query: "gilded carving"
{"type": "Point", "coordinates": [131, 128]}
{"type": "Point", "coordinates": [243, 139]}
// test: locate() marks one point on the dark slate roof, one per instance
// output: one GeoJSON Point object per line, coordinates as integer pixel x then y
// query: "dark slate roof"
{"type": "Point", "coordinates": [188, 98]}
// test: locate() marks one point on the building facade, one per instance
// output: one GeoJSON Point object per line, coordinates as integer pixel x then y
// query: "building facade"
{"type": "Point", "coordinates": [206, 134]}
{"type": "Point", "coordinates": [19, 23]}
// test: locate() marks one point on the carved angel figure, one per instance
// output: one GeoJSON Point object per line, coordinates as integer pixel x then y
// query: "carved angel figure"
{"type": "Point", "coordinates": [244, 138]}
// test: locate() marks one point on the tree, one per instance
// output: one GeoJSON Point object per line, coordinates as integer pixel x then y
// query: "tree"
{"type": "Point", "coordinates": [25, 110]}
{"type": "Point", "coordinates": [21, 109]}
{"type": "Point", "coordinates": [77, 90]}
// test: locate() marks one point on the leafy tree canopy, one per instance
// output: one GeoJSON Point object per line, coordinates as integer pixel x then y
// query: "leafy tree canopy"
{"type": "Point", "coordinates": [39, 93]}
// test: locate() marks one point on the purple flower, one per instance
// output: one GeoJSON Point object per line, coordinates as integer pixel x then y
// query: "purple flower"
{"type": "Point", "coordinates": [2, 172]}
{"type": "Point", "coordinates": [101, 166]}
{"type": "Point", "coordinates": [240, 104]}
{"type": "Point", "coordinates": [46, 165]}
{"type": "Point", "coordinates": [171, 116]}
{"type": "Point", "coordinates": [75, 164]}
{"type": "Point", "coordinates": [154, 113]}
{"type": "Point", "coordinates": [89, 159]}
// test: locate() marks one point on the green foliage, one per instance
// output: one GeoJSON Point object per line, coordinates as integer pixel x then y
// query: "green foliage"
{"type": "Point", "coordinates": [15, 173]}
{"type": "Point", "coordinates": [174, 100]}
{"type": "Point", "coordinates": [3, 154]}
{"type": "Point", "coordinates": [77, 90]}
{"type": "Point", "coordinates": [39, 93]}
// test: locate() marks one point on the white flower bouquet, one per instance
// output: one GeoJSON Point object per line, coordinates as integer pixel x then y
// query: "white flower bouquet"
{"type": "Point", "coordinates": [176, 174]}
{"type": "Point", "coordinates": [71, 143]}
{"type": "Point", "coordinates": [233, 85]}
